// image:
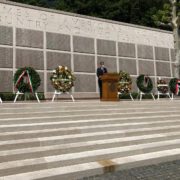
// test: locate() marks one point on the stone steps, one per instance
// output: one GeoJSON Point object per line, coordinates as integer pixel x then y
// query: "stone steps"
{"type": "Point", "coordinates": [75, 140]}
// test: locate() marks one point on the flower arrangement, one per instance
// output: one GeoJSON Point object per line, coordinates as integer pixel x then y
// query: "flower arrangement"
{"type": "Point", "coordinates": [162, 86]}
{"type": "Point", "coordinates": [62, 79]}
{"type": "Point", "coordinates": [124, 83]}
{"type": "Point", "coordinates": [173, 85]}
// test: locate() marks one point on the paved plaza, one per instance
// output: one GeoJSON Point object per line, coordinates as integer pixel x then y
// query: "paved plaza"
{"type": "Point", "coordinates": [90, 140]}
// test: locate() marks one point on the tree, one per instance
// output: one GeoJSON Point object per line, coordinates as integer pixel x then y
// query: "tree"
{"type": "Point", "coordinates": [169, 18]}
{"type": "Point", "coordinates": [176, 33]}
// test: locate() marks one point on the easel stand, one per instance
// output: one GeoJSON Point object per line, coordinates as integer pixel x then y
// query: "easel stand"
{"type": "Point", "coordinates": [59, 93]}
{"type": "Point", "coordinates": [0, 100]}
{"type": "Point", "coordinates": [19, 93]}
{"type": "Point", "coordinates": [160, 93]}
{"type": "Point", "coordinates": [119, 93]}
{"type": "Point", "coordinates": [141, 94]}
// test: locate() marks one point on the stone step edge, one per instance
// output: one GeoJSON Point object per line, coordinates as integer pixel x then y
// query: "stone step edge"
{"type": "Point", "coordinates": [87, 115]}
{"type": "Point", "coordinates": [87, 128]}
{"type": "Point", "coordinates": [91, 153]}
{"type": "Point", "coordinates": [133, 139]}
{"type": "Point", "coordinates": [83, 110]}
{"type": "Point", "coordinates": [74, 172]}
{"type": "Point", "coordinates": [76, 123]}
{"type": "Point", "coordinates": [63, 137]}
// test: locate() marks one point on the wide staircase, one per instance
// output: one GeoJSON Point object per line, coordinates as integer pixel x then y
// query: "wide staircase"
{"type": "Point", "coordinates": [69, 141]}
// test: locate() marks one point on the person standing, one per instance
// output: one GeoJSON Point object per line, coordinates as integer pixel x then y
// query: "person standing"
{"type": "Point", "coordinates": [100, 71]}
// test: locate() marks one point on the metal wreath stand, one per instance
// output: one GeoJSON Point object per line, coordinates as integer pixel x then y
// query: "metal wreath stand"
{"type": "Point", "coordinates": [59, 92]}
{"type": "Point", "coordinates": [160, 93]}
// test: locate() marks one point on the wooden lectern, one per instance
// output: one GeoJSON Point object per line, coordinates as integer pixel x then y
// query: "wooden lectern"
{"type": "Point", "coordinates": [109, 87]}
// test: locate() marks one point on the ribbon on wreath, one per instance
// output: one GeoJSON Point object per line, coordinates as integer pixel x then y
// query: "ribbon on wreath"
{"type": "Point", "coordinates": [177, 86]}
{"type": "Point", "coordinates": [25, 73]}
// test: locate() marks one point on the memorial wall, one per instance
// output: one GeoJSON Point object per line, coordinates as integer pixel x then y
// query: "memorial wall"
{"type": "Point", "coordinates": [45, 38]}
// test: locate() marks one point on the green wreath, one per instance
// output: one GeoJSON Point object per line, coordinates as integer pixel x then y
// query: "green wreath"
{"type": "Point", "coordinates": [144, 83]}
{"type": "Point", "coordinates": [172, 85]}
{"type": "Point", "coordinates": [162, 89]}
{"type": "Point", "coordinates": [22, 84]}
{"type": "Point", "coordinates": [62, 79]}
{"type": "Point", "coordinates": [124, 83]}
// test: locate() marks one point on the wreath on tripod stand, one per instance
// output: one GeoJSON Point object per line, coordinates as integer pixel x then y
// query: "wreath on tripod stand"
{"type": "Point", "coordinates": [124, 83]}
{"type": "Point", "coordinates": [62, 79]}
{"type": "Point", "coordinates": [144, 83]}
{"type": "Point", "coordinates": [26, 80]}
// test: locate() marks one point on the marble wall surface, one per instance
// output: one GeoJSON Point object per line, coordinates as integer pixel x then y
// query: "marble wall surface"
{"type": "Point", "coordinates": [45, 39]}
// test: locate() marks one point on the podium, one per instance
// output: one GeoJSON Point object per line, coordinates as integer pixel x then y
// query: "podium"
{"type": "Point", "coordinates": [109, 87]}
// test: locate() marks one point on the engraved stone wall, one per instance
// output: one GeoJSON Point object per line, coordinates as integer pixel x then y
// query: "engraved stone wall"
{"type": "Point", "coordinates": [45, 39]}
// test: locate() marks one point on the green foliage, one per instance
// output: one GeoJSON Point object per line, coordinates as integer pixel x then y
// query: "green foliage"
{"type": "Point", "coordinates": [145, 87]}
{"type": "Point", "coordinates": [23, 86]}
{"type": "Point", "coordinates": [172, 85]}
{"type": "Point", "coordinates": [162, 18]}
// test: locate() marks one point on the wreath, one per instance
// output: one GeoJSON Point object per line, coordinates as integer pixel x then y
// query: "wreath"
{"type": "Point", "coordinates": [62, 79]}
{"type": "Point", "coordinates": [144, 83]}
{"type": "Point", "coordinates": [26, 80]}
{"type": "Point", "coordinates": [124, 83]}
{"type": "Point", "coordinates": [161, 88]}
{"type": "Point", "coordinates": [172, 85]}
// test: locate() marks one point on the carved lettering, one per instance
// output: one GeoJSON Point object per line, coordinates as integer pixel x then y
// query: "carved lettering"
{"type": "Point", "coordinates": [47, 21]}
{"type": "Point", "coordinates": [19, 21]}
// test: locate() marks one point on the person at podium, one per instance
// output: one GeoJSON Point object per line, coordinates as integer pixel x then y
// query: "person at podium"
{"type": "Point", "coordinates": [100, 71]}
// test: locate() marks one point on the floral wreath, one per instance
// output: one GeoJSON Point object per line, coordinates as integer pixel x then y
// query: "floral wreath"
{"type": "Point", "coordinates": [124, 83]}
{"type": "Point", "coordinates": [144, 83]}
{"type": "Point", "coordinates": [62, 79]}
{"type": "Point", "coordinates": [26, 80]}
{"type": "Point", "coordinates": [162, 89]}
{"type": "Point", "coordinates": [173, 85]}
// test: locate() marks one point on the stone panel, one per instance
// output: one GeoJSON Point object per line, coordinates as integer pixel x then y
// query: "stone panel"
{"type": "Point", "coordinates": [173, 69]}
{"type": "Point", "coordinates": [29, 58]}
{"type": "Point", "coordinates": [163, 69]}
{"type": "Point", "coordinates": [6, 79]}
{"type": "Point", "coordinates": [41, 87]}
{"type": "Point", "coordinates": [128, 65]}
{"type": "Point", "coordinates": [49, 86]}
{"type": "Point", "coordinates": [146, 67]}
{"type": "Point", "coordinates": [29, 38]}
{"type": "Point", "coordinates": [162, 53]}
{"type": "Point", "coordinates": [83, 44]}
{"type": "Point", "coordinates": [106, 47]}
{"type": "Point", "coordinates": [6, 35]}
{"type": "Point", "coordinates": [145, 52]}
{"type": "Point", "coordinates": [56, 59]}
{"type": "Point", "coordinates": [173, 57]}
{"type": "Point", "coordinates": [58, 41]}
{"type": "Point", "coordinates": [134, 85]}
{"type": "Point", "coordinates": [126, 49]}
{"type": "Point", "coordinates": [85, 83]}
{"type": "Point", "coordinates": [6, 57]}
{"type": "Point", "coordinates": [110, 63]}
{"type": "Point", "coordinates": [83, 63]}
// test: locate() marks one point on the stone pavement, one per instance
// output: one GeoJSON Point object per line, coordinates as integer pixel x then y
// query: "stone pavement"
{"type": "Point", "coordinates": [162, 171]}
{"type": "Point", "coordinates": [70, 141]}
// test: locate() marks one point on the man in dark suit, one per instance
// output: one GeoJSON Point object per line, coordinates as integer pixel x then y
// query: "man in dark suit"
{"type": "Point", "coordinates": [100, 71]}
